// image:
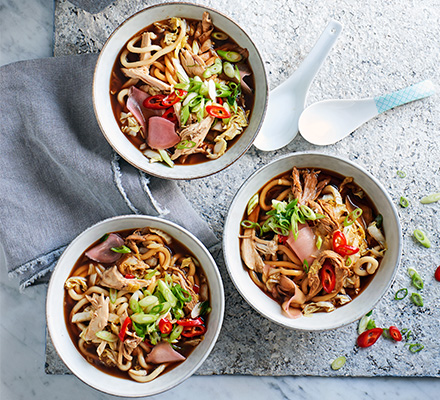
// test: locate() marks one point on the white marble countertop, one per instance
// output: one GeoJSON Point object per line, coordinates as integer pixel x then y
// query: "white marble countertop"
{"type": "Point", "coordinates": [26, 32]}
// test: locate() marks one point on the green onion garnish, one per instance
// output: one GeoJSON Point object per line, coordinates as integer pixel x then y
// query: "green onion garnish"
{"type": "Point", "coordinates": [228, 69]}
{"type": "Point", "coordinates": [185, 144]}
{"type": "Point", "coordinates": [408, 334]}
{"type": "Point", "coordinates": [369, 313]}
{"type": "Point", "coordinates": [306, 266]}
{"type": "Point", "coordinates": [107, 336]}
{"type": "Point", "coordinates": [338, 363]}
{"type": "Point", "coordinates": [432, 198]}
{"type": "Point", "coordinates": [417, 281]}
{"type": "Point", "coordinates": [416, 347]}
{"type": "Point", "coordinates": [205, 308]}
{"type": "Point", "coordinates": [319, 242]}
{"type": "Point", "coordinates": [362, 327]}
{"type": "Point", "coordinates": [371, 324]}
{"type": "Point", "coordinates": [166, 157]}
{"type": "Point", "coordinates": [121, 249]}
{"type": "Point", "coordinates": [401, 294]}
{"type": "Point", "coordinates": [403, 202]}
{"type": "Point", "coordinates": [308, 213]}
{"type": "Point", "coordinates": [401, 174]}
{"type": "Point", "coordinates": [417, 299]}
{"type": "Point", "coordinates": [379, 221]}
{"type": "Point", "coordinates": [179, 293]}
{"type": "Point", "coordinates": [231, 56]}
{"type": "Point", "coordinates": [386, 333]}
{"type": "Point", "coordinates": [422, 238]}
{"type": "Point", "coordinates": [353, 216]}
{"type": "Point", "coordinates": [113, 294]}
{"type": "Point", "coordinates": [103, 237]}
{"type": "Point", "coordinates": [143, 319]}
{"type": "Point", "coordinates": [219, 35]}
{"type": "Point", "coordinates": [252, 203]}
{"type": "Point", "coordinates": [404, 330]}
{"type": "Point", "coordinates": [348, 261]}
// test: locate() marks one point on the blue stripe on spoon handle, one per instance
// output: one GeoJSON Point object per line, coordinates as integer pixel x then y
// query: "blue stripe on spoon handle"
{"type": "Point", "coordinates": [403, 96]}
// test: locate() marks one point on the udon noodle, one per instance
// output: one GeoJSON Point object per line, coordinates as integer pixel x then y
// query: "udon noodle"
{"type": "Point", "coordinates": [137, 303]}
{"type": "Point", "coordinates": [311, 240]}
{"type": "Point", "coordinates": [182, 91]}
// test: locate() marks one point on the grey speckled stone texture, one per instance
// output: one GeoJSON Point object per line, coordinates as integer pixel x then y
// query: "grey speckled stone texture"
{"type": "Point", "coordinates": [384, 46]}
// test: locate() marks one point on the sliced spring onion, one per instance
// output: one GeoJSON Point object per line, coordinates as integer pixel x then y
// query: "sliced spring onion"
{"type": "Point", "coordinates": [422, 238]}
{"type": "Point", "coordinates": [134, 304]}
{"type": "Point", "coordinates": [178, 313]}
{"type": "Point", "coordinates": [252, 203]}
{"type": "Point", "coordinates": [162, 308]}
{"type": "Point", "coordinates": [415, 347]}
{"type": "Point", "coordinates": [143, 319]}
{"type": "Point", "coordinates": [113, 294]}
{"type": "Point", "coordinates": [185, 144]}
{"type": "Point", "coordinates": [408, 334]}
{"type": "Point", "coordinates": [404, 330]}
{"type": "Point", "coordinates": [180, 294]}
{"type": "Point", "coordinates": [184, 86]}
{"type": "Point", "coordinates": [353, 216]}
{"type": "Point", "coordinates": [348, 261]}
{"type": "Point", "coordinates": [121, 249]}
{"type": "Point", "coordinates": [306, 266]}
{"type": "Point", "coordinates": [362, 327]}
{"type": "Point", "coordinates": [379, 221]}
{"type": "Point", "coordinates": [165, 156]}
{"type": "Point", "coordinates": [338, 363]}
{"type": "Point", "coordinates": [249, 224]}
{"type": "Point", "coordinates": [404, 202]}
{"type": "Point", "coordinates": [308, 213]}
{"type": "Point", "coordinates": [401, 174]}
{"type": "Point", "coordinates": [417, 281]}
{"type": "Point", "coordinates": [231, 56]}
{"type": "Point", "coordinates": [319, 242]}
{"type": "Point", "coordinates": [386, 333]}
{"type": "Point", "coordinates": [148, 301]}
{"type": "Point", "coordinates": [107, 336]}
{"type": "Point", "coordinates": [167, 293]}
{"type": "Point", "coordinates": [411, 272]}
{"type": "Point", "coordinates": [205, 308]}
{"type": "Point", "coordinates": [219, 35]}
{"type": "Point", "coordinates": [401, 294]}
{"type": "Point", "coordinates": [214, 69]}
{"type": "Point", "coordinates": [432, 198]}
{"type": "Point", "coordinates": [417, 299]}
{"type": "Point", "coordinates": [369, 313]}
{"type": "Point", "coordinates": [188, 98]}
{"type": "Point", "coordinates": [228, 69]}
{"type": "Point", "coordinates": [176, 332]}
{"type": "Point", "coordinates": [371, 324]}
{"type": "Point", "coordinates": [103, 237]}
{"type": "Point", "coordinates": [150, 274]}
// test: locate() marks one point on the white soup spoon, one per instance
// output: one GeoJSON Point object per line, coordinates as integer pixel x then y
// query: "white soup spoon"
{"type": "Point", "coordinates": [287, 101]}
{"type": "Point", "coordinates": [326, 122]}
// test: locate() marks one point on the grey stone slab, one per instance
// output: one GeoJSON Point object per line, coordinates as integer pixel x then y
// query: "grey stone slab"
{"type": "Point", "coordinates": [384, 46]}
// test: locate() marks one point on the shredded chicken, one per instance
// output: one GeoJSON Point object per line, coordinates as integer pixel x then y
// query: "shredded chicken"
{"type": "Point", "coordinates": [99, 316]}
{"type": "Point", "coordinates": [113, 279]}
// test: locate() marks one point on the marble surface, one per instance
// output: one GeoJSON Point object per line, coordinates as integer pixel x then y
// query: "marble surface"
{"type": "Point", "coordinates": [414, 50]}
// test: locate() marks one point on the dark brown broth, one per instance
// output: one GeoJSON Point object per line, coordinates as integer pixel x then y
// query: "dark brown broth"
{"type": "Point", "coordinates": [74, 331]}
{"type": "Point", "coordinates": [336, 180]}
{"type": "Point", "coordinates": [118, 79]}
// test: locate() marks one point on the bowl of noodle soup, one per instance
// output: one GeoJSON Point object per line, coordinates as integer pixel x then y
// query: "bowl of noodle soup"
{"type": "Point", "coordinates": [180, 91]}
{"type": "Point", "coordinates": [319, 241]}
{"type": "Point", "coordinates": [169, 297]}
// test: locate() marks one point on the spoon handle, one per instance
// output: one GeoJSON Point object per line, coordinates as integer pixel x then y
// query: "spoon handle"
{"type": "Point", "coordinates": [415, 92]}
{"type": "Point", "coordinates": [310, 66]}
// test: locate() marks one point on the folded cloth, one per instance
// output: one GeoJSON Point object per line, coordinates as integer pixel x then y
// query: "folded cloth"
{"type": "Point", "coordinates": [58, 173]}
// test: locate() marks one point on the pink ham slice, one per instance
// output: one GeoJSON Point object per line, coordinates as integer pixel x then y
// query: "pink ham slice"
{"type": "Point", "coordinates": [164, 353]}
{"type": "Point", "coordinates": [102, 252]}
{"type": "Point", "coordinates": [135, 102]}
{"type": "Point", "coordinates": [161, 133]}
{"type": "Point", "coordinates": [305, 244]}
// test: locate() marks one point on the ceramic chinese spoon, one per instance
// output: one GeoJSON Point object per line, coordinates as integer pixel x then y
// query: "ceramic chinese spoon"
{"type": "Point", "coordinates": [326, 122]}
{"type": "Point", "coordinates": [287, 101]}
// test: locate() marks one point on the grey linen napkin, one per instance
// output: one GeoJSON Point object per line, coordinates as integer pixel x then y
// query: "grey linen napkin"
{"type": "Point", "coordinates": [58, 173]}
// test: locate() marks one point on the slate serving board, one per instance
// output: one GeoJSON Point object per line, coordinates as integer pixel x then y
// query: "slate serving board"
{"type": "Point", "coordinates": [383, 47]}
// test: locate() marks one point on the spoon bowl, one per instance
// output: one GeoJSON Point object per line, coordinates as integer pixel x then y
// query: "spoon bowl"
{"type": "Point", "coordinates": [326, 122]}
{"type": "Point", "coordinates": [287, 101]}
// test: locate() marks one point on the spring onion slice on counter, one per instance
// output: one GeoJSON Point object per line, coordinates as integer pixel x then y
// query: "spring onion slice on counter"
{"type": "Point", "coordinates": [417, 299]}
{"type": "Point", "coordinates": [401, 294]}
{"type": "Point", "coordinates": [404, 202]}
{"type": "Point", "coordinates": [416, 279]}
{"type": "Point", "coordinates": [422, 238]}
{"type": "Point", "coordinates": [416, 347]}
{"type": "Point", "coordinates": [338, 363]}
{"type": "Point", "coordinates": [401, 174]}
{"type": "Point", "coordinates": [432, 198]}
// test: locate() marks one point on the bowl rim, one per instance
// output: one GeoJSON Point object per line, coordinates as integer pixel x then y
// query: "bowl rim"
{"type": "Point", "coordinates": [229, 263]}
{"type": "Point", "coordinates": [264, 77]}
{"type": "Point", "coordinates": [51, 288]}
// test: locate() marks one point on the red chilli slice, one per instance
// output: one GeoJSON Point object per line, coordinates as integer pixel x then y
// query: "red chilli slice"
{"type": "Point", "coordinates": [368, 338]}
{"type": "Point", "coordinates": [395, 333]}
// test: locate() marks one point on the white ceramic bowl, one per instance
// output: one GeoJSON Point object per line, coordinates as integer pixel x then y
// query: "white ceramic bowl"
{"type": "Point", "coordinates": [363, 303]}
{"type": "Point", "coordinates": [66, 348]}
{"type": "Point", "coordinates": [101, 96]}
